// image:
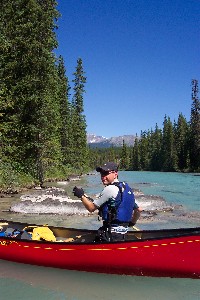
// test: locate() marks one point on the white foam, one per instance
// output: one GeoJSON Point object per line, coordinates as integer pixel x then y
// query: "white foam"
{"type": "Point", "coordinates": [40, 208]}
{"type": "Point", "coordinates": [55, 201]}
{"type": "Point", "coordinates": [41, 198]}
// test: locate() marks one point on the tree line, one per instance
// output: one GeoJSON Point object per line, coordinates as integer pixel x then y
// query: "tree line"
{"type": "Point", "coordinates": [175, 147]}
{"type": "Point", "coordinates": [43, 126]}
{"type": "Point", "coordinates": [42, 122]}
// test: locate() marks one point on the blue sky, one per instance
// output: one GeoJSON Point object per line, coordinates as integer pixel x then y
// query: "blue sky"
{"type": "Point", "coordinates": [139, 57]}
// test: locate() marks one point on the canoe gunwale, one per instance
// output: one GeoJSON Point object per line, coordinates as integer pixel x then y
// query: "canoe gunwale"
{"type": "Point", "coordinates": [146, 235]}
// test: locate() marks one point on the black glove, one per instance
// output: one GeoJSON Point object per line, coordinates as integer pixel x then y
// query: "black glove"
{"type": "Point", "coordinates": [78, 192]}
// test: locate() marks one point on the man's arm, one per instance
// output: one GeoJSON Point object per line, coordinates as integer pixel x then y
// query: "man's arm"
{"type": "Point", "coordinates": [136, 215]}
{"type": "Point", "coordinates": [108, 192]}
{"type": "Point", "coordinates": [89, 205]}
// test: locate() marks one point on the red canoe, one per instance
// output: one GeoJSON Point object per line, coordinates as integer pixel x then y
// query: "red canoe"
{"type": "Point", "coordinates": [160, 253]}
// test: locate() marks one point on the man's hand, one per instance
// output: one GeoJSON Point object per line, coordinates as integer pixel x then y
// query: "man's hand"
{"type": "Point", "coordinates": [78, 192]}
{"type": "Point", "coordinates": [131, 224]}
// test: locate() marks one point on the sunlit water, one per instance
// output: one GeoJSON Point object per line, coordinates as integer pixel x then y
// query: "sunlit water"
{"type": "Point", "coordinates": [20, 281]}
{"type": "Point", "coordinates": [177, 188]}
{"type": "Point", "coordinates": [26, 282]}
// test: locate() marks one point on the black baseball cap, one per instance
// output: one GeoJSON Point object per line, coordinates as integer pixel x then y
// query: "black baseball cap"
{"type": "Point", "coordinates": [109, 166]}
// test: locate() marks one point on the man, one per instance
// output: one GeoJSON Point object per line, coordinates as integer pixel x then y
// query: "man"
{"type": "Point", "coordinates": [116, 204]}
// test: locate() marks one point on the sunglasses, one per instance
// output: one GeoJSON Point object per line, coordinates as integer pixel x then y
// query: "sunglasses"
{"type": "Point", "coordinates": [106, 173]}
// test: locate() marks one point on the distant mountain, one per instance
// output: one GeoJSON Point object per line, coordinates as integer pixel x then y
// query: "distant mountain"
{"type": "Point", "coordinates": [95, 141]}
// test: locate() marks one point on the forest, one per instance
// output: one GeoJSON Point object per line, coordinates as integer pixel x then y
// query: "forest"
{"type": "Point", "coordinates": [42, 121]}
{"type": "Point", "coordinates": [173, 148]}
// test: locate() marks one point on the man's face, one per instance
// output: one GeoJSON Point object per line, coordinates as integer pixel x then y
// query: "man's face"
{"type": "Point", "coordinates": [108, 177]}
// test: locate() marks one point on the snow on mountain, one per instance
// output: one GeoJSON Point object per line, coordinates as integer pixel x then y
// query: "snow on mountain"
{"type": "Point", "coordinates": [103, 142]}
{"type": "Point", "coordinates": [92, 138]}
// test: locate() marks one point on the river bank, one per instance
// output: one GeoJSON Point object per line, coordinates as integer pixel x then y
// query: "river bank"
{"type": "Point", "coordinates": [56, 205]}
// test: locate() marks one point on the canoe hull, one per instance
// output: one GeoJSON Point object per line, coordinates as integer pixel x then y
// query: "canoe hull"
{"type": "Point", "coordinates": [162, 257]}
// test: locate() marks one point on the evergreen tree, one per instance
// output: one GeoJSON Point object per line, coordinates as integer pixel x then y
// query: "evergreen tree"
{"type": "Point", "coordinates": [30, 111]}
{"type": "Point", "coordinates": [169, 158]}
{"type": "Point", "coordinates": [79, 158]}
{"type": "Point", "coordinates": [173, 148]}
{"type": "Point", "coordinates": [181, 132]}
{"type": "Point", "coordinates": [155, 159]}
{"type": "Point", "coordinates": [112, 155]}
{"type": "Point", "coordinates": [150, 149]}
{"type": "Point", "coordinates": [195, 128]}
{"type": "Point", "coordinates": [124, 161]}
{"type": "Point", "coordinates": [65, 112]}
{"type": "Point", "coordinates": [143, 148]}
{"type": "Point", "coordinates": [135, 158]}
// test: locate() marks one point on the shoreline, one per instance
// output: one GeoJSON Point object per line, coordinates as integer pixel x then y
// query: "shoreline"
{"type": "Point", "coordinates": [157, 212]}
{"type": "Point", "coordinates": [153, 217]}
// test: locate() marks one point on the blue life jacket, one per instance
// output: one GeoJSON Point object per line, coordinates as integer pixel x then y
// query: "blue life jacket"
{"type": "Point", "coordinates": [120, 209]}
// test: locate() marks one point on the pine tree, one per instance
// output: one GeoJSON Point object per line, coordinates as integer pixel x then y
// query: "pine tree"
{"type": "Point", "coordinates": [135, 158]}
{"type": "Point", "coordinates": [181, 131]}
{"type": "Point", "coordinates": [169, 157]}
{"type": "Point", "coordinates": [65, 112]}
{"type": "Point", "coordinates": [143, 148]}
{"type": "Point", "coordinates": [79, 158]}
{"type": "Point", "coordinates": [155, 156]}
{"type": "Point", "coordinates": [30, 114]}
{"type": "Point", "coordinates": [124, 161]}
{"type": "Point", "coordinates": [112, 155]}
{"type": "Point", "coordinates": [195, 128]}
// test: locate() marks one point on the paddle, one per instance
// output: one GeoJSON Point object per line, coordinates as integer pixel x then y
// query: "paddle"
{"type": "Point", "coordinates": [138, 235]}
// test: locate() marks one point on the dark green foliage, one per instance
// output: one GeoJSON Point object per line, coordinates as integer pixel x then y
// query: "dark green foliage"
{"type": "Point", "coordinates": [79, 155]}
{"type": "Point", "coordinates": [65, 112]}
{"type": "Point", "coordinates": [98, 156]}
{"type": "Point", "coordinates": [168, 153]}
{"type": "Point", "coordinates": [176, 147]}
{"type": "Point", "coordinates": [155, 163]}
{"type": "Point", "coordinates": [195, 128]}
{"type": "Point", "coordinates": [35, 113]}
{"type": "Point", "coordinates": [181, 134]}
{"type": "Point", "coordinates": [143, 147]}
{"type": "Point", "coordinates": [124, 161]}
{"type": "Point", "coordinates": [135, 157]}
{"type": "Point", "coordinates": [30, 114]}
